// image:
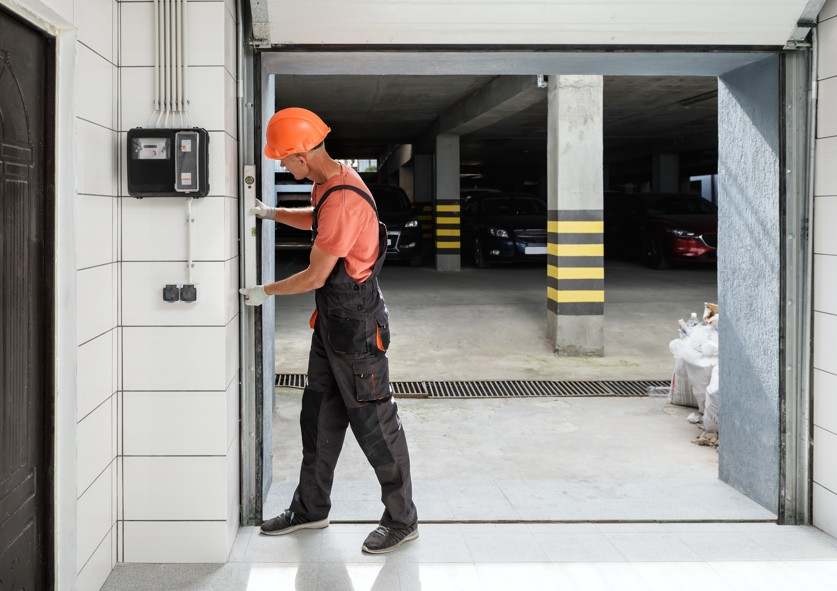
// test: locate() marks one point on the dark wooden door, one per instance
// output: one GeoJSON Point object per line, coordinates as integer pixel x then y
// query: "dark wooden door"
{"type": "Point", "coordinates": [26, 120]}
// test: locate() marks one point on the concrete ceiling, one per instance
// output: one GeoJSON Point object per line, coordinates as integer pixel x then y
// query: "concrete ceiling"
{"type": "Point", "coordinates": [643, 115]}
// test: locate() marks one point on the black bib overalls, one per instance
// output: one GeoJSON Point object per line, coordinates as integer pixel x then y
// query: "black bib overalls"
{"type": "Point", "coordinates": [348, 384]}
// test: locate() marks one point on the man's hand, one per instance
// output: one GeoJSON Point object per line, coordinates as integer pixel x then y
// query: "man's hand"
{"type": "Point", "coordinates": [263, 211]}
{"type": "Point", "coordinates": [253, 296]}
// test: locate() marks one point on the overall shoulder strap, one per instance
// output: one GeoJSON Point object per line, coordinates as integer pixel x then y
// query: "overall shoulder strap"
{"type": "Point", "coordinates": [358, 190]}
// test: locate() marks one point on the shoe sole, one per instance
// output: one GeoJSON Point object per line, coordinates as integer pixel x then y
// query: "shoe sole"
{"type": "Point", "coordinates": [289, 530]}
{"type": "Point", "coordinates": [409, 537]}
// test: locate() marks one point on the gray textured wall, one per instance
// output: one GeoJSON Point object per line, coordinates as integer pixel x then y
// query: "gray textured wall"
{"type": "Point", "coordinates": [749, 279]}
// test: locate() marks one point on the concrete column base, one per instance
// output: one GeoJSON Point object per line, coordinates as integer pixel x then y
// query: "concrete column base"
{"type": "Point", "coordinates": [576, 336]}
{"type": "Point", "coordinates": [448, 262]}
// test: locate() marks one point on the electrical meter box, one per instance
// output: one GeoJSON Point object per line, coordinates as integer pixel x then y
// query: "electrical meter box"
{"type": "Point", "coordinates": [168, 162]}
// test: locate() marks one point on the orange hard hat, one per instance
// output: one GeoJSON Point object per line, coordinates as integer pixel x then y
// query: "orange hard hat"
{"type": "Point", "coordinates": [293, 131]}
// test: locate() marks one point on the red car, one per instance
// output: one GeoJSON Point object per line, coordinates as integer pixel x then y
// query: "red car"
{"type": "Point", "coordinates": [661, 229]}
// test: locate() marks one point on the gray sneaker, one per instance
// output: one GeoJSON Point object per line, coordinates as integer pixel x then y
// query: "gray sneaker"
{"type": "Point", "coordinates": [386, 539]}
{"type": "Point", "coordinates": [289, 522]}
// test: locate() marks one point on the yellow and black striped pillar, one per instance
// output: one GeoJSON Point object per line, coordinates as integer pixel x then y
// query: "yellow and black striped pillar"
{"type": "Point", "coordinates": [448, 245]}
{"type": "Point", "coordinates": [425, 218]}
{"type": "Point", "coordinates": [575, 280]}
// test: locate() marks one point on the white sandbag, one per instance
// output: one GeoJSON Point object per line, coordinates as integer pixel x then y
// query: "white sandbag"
{"type": "Point", "coordinates": [711, 413]}
{"type": "Point", "coordinates": [699, 376]}
{"type": "Point", "coordinates": [681, 391]}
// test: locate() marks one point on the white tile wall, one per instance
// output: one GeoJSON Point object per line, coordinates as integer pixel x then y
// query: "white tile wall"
{"type": "Point", "coordinates": [231, 166]}
{"type": "Point", "coordinates": [94, 230]}
{"type": "Point", "coordinates": [825, 214]}
{"type": "Point", "coordinates": [827, 113]}
{"type": "Point", "coordinates": [827, 38]}
{"type": "Point", "coordinates": [829, 10]}
{"type": "Point", "coordinates": [96, 159]}
{"type": "Point", "coordinates": [209, 89]}
{"type": "Point", "coordinates": [206, 27]}
{"type": "Point", "coordinates": [824, 507]}
{"type": "Point", "coordinates": [825, 345]}
{"type": "Point", "coordinates": [175, 488]}
{"type": "Point", "coordinates": [825, 450]}
{"type": "Point", "coordinates": [93, 441]}
{"type": "Point", "coordinates": [232, 359]}
{"type": "Point", "coordinates": [94, 517]}
{"type": "Point", "coordinates": [230, 6]}
{"type": "Point", "coordinates": [96, 20]}
{"type": "Point", "coordinates": [230, 105]}
{"type": "Point", "coordinates": [232, 296]}
{"type": "Point", "coordinates": [142, 298]}
{"type": "Point", "coordinates": [155, 229]}
{"type": "Point", "coordinates": [95, 302]}
{"type": "Point", "coordinates": [233, 478]}
{"type": "Point", "coordinates": [825, 176]}
{"type": "Point", "coordinates": [230, 49]}
{"type": "Point", "coordinates": [231, 216]}
{"type": "Point", "coordinates": [233, 405]}
{"type": "Point", "coordinates": [173, 541]}
{"type": "Point", "coordinates": [176, 423]}
{"type": "Point", "coordinates": [174, 358]}
{"type": "Point", "coordinates": [95, 373]}
{"type": "Point", "coordinates": [825, 400]}
{"type": "Point", "coordinates": [95, 88]}
{"type": "Point", "coordinates": [96, 571]}
{"type": "Point", "coordinates": [220, 155]}
{"type": "Point", "coordinates": [825, 283]}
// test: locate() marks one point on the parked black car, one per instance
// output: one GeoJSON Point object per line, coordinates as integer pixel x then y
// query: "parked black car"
{"type": "Point", "coordinates": [661, 229]}
{"type": "Point", "coordinates": [503, 228]}
{"type": "Point", "coordinates": [403, 226]}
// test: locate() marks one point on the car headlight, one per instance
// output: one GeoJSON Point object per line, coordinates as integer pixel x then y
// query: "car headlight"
{"type": "Point", "coordinates": [680, 233]}
{"type": "Point", "coordinates": [498, 232]}
{"type": "Point", "coordinates": [411, 224]}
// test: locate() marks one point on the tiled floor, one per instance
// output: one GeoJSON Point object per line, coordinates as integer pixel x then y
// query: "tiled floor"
{"type": "Point", "coordinates": [517, 557]}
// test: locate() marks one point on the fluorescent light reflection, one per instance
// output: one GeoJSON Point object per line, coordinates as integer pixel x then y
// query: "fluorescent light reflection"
{"type": "Point", "coordinates": [272, 578]}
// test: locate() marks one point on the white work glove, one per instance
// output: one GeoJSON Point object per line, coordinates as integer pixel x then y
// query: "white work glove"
{"type": "Point", "coordinates": [253, 296]}
{"type": "Point", "coordinates": [263, 211]}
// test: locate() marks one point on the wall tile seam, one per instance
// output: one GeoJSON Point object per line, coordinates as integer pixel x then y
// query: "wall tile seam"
{"type": "Point", "coordinates": [90, 340]}
{"type": "Point", "coordinates": [99, 545]}
{"type": "Point", "coordinates": [824, 196]}
{"type": "Point", "coordinates": [177, 326]}
{"type": "Point", "coordinates": [105, 58]}
{"type": "Point", "coordinates": [825, 488]}
{"type": "Point", "coordinates": [147, 261]}
{"type": "Point", "coordinates": [832, 314]}
{"type": "Point", "coordinates": [97, 266]}
{"type": "Point", "coordinates": [98, 406]}
{"type": "Point", "coordinates": [96, 195]}
{"type": "Point", "coordinates": [99, 125]}
{"type": "Point", "coordinates": [123, 456]}
{"type": "Point", "coordinates": [829, 431]}
{"type": "Point", "coordinates": [111, 463]}
{"type": "Point", "coordinates": [831, 373]}
{"type": "Point", "coordinates": [173, 521]}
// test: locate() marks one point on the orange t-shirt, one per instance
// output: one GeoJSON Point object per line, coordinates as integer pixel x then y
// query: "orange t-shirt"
{"type": "Point", "coordinates": [347, 226]}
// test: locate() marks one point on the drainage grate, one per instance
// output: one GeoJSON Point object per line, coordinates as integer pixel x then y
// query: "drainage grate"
{"type": "Point", "coordinates": [505, 388]}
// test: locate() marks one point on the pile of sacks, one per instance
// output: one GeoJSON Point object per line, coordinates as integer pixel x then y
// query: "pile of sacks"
{"type": "Point", "coordinates": [695, 379]}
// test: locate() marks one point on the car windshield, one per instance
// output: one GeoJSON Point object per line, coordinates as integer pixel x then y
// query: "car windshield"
{"type": "Point", "coordinates": [676, 205]}
{"type": "Point", "coordinates": [513, 206]}
{"type": "Point", "coordinates": [390, 200]}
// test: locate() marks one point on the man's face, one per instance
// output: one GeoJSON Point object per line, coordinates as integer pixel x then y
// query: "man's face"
{"type": "Point", "coordinates": [296, 165]}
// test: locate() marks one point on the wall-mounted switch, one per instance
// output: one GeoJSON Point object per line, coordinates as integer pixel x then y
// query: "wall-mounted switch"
{"type": "Point", "coordinates": [188, 293]}
{"type": "Point", "coordinates": [171, 293]}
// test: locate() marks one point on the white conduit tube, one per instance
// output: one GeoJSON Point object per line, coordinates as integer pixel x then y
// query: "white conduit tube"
{"type": "Point", "coordinates": [181, 54]}
{"type": "Point", "coordinates": [156, 61]}
{"type": "Point", "coordinates": [189, 221]}
{"type": "Point", "coordinates": [186, 62]}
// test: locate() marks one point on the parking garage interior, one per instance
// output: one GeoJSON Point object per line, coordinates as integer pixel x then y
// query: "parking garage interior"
{"type": "Point", "coordinates": [660, 134]}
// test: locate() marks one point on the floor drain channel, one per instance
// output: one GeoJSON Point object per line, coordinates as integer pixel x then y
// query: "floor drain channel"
{"type": "Point", "coordinates": [505, 388]}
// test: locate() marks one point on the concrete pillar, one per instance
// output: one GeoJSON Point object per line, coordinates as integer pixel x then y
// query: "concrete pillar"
{"type": "Point", "coordinates": [665, 173]}
{"type": "Point", "coordinates": [423, 193]}
{"type": "Point", "coordinates": [575, 263]}
{"type": "Point", "coordinates": [446, 204]}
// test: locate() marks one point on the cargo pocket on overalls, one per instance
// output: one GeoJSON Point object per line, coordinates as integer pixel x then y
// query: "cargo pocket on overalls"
{"type": "Point", "coordinates": [346, 335]}
{"type": "Point", "coordinates": [371, 379]}
{"type": "Point", "coordinates": [381, 334]}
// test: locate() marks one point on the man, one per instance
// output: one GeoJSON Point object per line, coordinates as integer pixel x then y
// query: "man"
{"type": "Point", "coordinates": [348, 374]}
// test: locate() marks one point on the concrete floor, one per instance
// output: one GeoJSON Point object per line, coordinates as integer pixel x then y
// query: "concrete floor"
{"type": "Point", "coordinates": [578, 494]}
{"type": "Point", "coordinates": [530, 459]}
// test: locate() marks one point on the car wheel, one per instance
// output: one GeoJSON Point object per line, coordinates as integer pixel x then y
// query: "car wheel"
{"type": "Point", "coordinates": [479, 256]}
{"type": "Point", "coordinates": [654, 255]}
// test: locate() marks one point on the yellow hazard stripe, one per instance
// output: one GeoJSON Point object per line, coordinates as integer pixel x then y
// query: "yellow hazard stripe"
{"type": "Point", "coordinates": [447, 244]}
{"type": "Point", "coordinates": [449, 208]}
{"type": "Point", "coordinates": [575, 272]}
{"type": "Point", "coordinates": [576, 250]}
{"type": "Point", "coordinates": [446, 232]}
{"type": "Point", "coordinates": [575, 227]}
{"type": "Point", "coordinates": [447, 221]}
{"type": "Point", "coordinates": [572, 296]}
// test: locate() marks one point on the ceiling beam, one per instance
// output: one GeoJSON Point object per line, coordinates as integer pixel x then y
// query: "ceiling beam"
{"type": "Point", "coordinates": [503, 97]}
